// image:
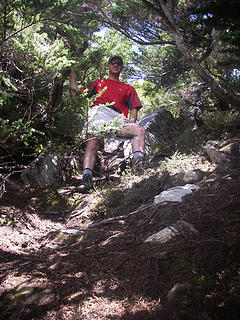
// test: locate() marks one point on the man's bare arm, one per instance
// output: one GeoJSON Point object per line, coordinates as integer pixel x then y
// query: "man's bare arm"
{"type": "Point", "coordinates": [133, 115]}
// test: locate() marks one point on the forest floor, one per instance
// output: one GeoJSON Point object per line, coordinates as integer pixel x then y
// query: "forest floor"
{"type": "Point", "coordinates": [66, 255]}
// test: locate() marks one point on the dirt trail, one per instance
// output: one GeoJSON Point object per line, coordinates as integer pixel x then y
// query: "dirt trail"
{"type": "Point", "coordinates": [57, 265]}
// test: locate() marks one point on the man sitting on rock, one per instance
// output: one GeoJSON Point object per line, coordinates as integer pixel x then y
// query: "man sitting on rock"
{"type": "Point", "coordinates": [123, 105]}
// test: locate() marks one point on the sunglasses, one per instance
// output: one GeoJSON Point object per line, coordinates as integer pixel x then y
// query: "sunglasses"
{"type": "Point", "coordinates": [115, 62]}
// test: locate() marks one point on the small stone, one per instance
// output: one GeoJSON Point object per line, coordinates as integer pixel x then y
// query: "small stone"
{"type": "Point", "coordinates": [72, 231]}
{"type": "Point", "coordinates": [164, 235]}
{"type": "Point", "coordinates": [212, 150]}
{"type": "Point", "coordinates": [174, 194]}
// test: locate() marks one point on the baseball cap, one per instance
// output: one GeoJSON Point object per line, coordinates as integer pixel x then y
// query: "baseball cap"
{"type": "Point", "coordinates": [114, 57]}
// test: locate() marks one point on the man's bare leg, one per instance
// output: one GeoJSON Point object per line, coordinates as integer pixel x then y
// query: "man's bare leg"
{"type": "Point", "coordinates": [138, 145]}
{"type": "Point", "coordinates": [90, 153]}
{"type": "Point", "coordinates": [138, 136]}
{"type": "Point", "coordinates": [88, 164]}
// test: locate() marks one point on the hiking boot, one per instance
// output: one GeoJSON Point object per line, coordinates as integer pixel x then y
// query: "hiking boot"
{"type": "Point", "coordinates": [137, 166]}
{"type": "Point", "coordinates": [86, 184]}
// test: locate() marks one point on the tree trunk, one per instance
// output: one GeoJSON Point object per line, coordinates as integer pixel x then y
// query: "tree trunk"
{"type": "Point", "coordinates": [203, 73]}
{"type": "Point", "coordinates": [55, 98]}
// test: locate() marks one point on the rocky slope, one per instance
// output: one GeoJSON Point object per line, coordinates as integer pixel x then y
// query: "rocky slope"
{"type": "Point", "coordinates": [66, 255]}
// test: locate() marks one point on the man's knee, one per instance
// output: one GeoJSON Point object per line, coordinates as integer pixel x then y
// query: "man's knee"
{"type": "Point", "coordinates": [141, 130]}
{"type": "Point", "coordinates": [93, 144]}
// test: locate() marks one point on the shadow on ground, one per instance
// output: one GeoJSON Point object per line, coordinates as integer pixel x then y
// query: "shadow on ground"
{"type": "Point", "coordinates": [108, 272]}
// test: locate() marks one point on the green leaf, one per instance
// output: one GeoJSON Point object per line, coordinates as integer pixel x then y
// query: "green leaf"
{"type": "Point", "coordinates": [8, 83]}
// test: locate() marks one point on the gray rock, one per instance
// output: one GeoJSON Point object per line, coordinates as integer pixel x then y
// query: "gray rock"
{"type": "Point", "coordinates": [174, 194]}
{"type": "Point", "coordinates": [113, 144]}
{"type": "Point", "coordinates": [176, 291]}
{"type": "Point", "coordinates": [170, 232]}
{"type": "Point", "coordinates": [49, 170]}
{"type": "Point", "coordinates": [215, 155]}
{"type": "Point", "coordinates": [161, 117]}
{"type": "Point", "coordinates": [164, 235]}
{"type": "Point", "coordinates": [158, 124]}
{"type": "Point", "coordinates": [75, 232]}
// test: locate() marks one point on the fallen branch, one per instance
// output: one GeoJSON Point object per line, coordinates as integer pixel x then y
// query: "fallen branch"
{"type": "Point", "coordinates": [122, 217]}
{"type": "Point", "coordinates": [5, 179]}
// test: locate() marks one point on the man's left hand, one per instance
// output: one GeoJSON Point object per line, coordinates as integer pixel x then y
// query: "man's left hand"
{"type": "Point", "coordinates": [129, 121]}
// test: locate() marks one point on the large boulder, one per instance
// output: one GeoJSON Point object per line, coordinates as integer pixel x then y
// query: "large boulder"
{"type": "Point", "coordinates": [158, 124]}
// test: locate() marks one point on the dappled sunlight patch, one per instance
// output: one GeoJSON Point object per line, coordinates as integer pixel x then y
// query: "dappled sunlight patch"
{"type": "Point", "coordinates": [12, 281]}
{"type": "Point", "coordinates": [95, 307]}
{"type": "Point", "coordinates": [115, 308]}
{"type": "Point", "coordinates": [184, 163]}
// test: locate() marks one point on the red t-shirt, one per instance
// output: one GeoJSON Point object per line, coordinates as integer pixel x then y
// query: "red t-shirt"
{"type": "Point", "coordinates": [123, 95]}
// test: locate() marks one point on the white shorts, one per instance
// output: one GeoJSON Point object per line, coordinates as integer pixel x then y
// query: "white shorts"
{"type": "Point", "coordinates": [104, 119]}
